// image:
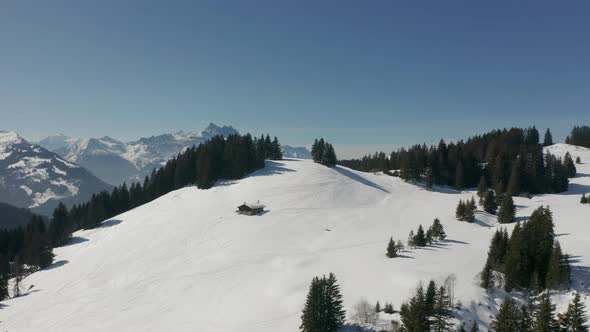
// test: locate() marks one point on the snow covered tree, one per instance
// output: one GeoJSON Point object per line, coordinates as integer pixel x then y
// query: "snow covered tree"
{"type": "Point", "coordinates": [364, 313]}
{"type": "Point", "coordinates": [507, 211]}
{"type": "Point", "coordinates": [391, 249]}
{"type": "Point", "coordinates": [575, 318]}
{"type": "Point", "coordinates": [474, 327]}
{"type": "Point", "coordinates": [578, 160]}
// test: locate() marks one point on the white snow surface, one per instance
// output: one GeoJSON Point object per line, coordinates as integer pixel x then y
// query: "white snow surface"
{"type": "Point", "coordinates": [187, 261]}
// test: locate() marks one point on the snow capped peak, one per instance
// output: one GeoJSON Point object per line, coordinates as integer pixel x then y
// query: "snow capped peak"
{"type": "Point", "coordinates": [9, 137]}
{"type": "Point", "coordinates": [213, 130]}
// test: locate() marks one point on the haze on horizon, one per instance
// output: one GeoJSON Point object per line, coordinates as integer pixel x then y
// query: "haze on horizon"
{"type": "Point", "coordinates": [365, 77]}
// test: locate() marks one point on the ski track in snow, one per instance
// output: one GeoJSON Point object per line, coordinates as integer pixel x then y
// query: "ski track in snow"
{"type": "Point", "coordinates": [187, 261]}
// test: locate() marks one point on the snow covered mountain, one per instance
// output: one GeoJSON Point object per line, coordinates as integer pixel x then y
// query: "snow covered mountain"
{"type": "Point", "coordinates": [33, 177]}
{"type": "Point", "coordinates": [115, 161]}
{"type": "Point", "coordinates": [187, 261]}
{"type": "Point", "coordinates": [296, 152]}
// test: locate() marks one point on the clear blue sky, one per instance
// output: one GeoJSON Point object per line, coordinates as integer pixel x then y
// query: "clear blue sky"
{"type": "Point", "coordinates": [365, 75]}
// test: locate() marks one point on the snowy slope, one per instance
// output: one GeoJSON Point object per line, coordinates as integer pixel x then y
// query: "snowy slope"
{"type": "Point", "coordinates": [33, 177]}
{"type": "Point", "coordinates": [187, 262]}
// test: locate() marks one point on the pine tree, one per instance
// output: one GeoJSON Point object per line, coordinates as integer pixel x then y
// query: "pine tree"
{"type": "Point", "coordinates": [412, 313]}
{"type": "Point", "coordinates": [490, 205]}
{"type": "Point", "coordinates": [474, 327]}
{"type": "Point", "coordinates": [59, 229]}
{"type": "Point", "coordinates": [584, 200]}
{"type": "Point", "coordinates": [514, 180]}
{"type": "Point", "coordinates": [470, 208]}
{"type": "Point", "coordinates": [507, 211]}
{"type": "Point", "coordinates": [460, 211]}
{"type": "Point", "coordinates": [391, 249]}
{"type": "Point", "coordinates": [565, 271]}
{"type": "Point", "coordinates": [459, 176]}
{"type": "Point", "coordinates": [438, 231]}
{"type": "Point", "coordinates": [420, 238]}
{"type": "Point", "coordinates": [17, 273]}
{"type": "Point", "coordinates": [442, 312]}
{"type": "Point", "coordinates": [578, 160]}
{"type": "Point", "coordinates": [545, 316]}
{"type": "Point", "coordinates": [482, 188]}
{"type": "Point", "coordinates": [323, 309]}
{"type": "Point", "coordinates": [411, 242]}
{"type": "Point", "coordinates": [575, 318]}
{"type": "Point", "coordinates": [553, 276]}
{"type": "Point", "coordinates": [507, 317]}
{"type": "Point", "coordinates": [430, 299]}
{"type": "Point", "coordinates": [487, 276]}
{"type": "Point", "coordinates": [569, 165]}
{"type": "Point", "coordinates": [4, 270]}
{"type": "Point", "coordinates": [377, 307]}
{"type": "Point", "coordinates": [548, 139]}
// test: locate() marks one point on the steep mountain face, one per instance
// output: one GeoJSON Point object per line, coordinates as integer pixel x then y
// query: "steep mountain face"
{"type": "Point", "coordinates": [115, 161]}
{"type": "Point", "coordinates": [12, 216]}
{"type": "Point", "coordinates": [33, 177]}
{"type": "Point", "coordinates": [296, 152]}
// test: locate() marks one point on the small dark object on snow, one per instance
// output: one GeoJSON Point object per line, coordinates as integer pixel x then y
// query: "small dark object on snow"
{"type": "Point", "coordinates": [250, 209]}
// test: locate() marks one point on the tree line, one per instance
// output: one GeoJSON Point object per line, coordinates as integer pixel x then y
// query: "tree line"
{"type": "Point", "coordinates": [509, 160]}
{"type": "Point", "coordinates": [538, 314]}
{"type": "Point", "coordinates": [530, 258]}
{"type": "Point", "coordinates": [323, 153]}
{"type": "Point", "coordinates": [228, 158]}
{"type": "Point", "coordinates": [580, 135]}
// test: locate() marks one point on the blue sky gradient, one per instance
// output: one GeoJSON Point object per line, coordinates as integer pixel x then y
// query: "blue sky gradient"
{"type": "Point", "coordinates": [365, 75]}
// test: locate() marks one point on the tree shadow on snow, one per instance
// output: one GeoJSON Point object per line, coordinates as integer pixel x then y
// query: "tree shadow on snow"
{"type": "Point", "coordinates": [110, 223]}
{"type": "Point", "coordinates": [360, 179]}
{"type": "Point", "coordinates": [272, 168]}
{"type": "Point", "coordinates": [581, 278]}
{"type": "Point", "coordinates": [57, 264]}
{"type": "Point", "coordinates": [75, 240]}
{"type": "Point", "coordinates": [454, 241]}
{"type": "Point", "coordinates": [576, 189]}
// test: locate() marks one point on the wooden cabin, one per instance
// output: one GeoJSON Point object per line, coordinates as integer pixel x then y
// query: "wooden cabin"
{"type": "Point", "coordinates": [250, 209]}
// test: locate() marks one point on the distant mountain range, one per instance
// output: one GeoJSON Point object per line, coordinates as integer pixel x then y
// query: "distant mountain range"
{"type": "Point", "coordinates": [115, 161]}
{"type": "Point", "coordinates": [36, 178]}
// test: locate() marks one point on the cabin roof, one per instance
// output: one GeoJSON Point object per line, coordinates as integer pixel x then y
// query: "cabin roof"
{"type": "Point", "coordinates": [254, 206]}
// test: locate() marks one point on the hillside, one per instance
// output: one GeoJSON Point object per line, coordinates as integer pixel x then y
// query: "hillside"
{"type": "Point", "coordinates": [187, 261]}
{"type": "Point", "coordinates": [12, 216]}
{"type": "Point", "coordinates": [35, 178]}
